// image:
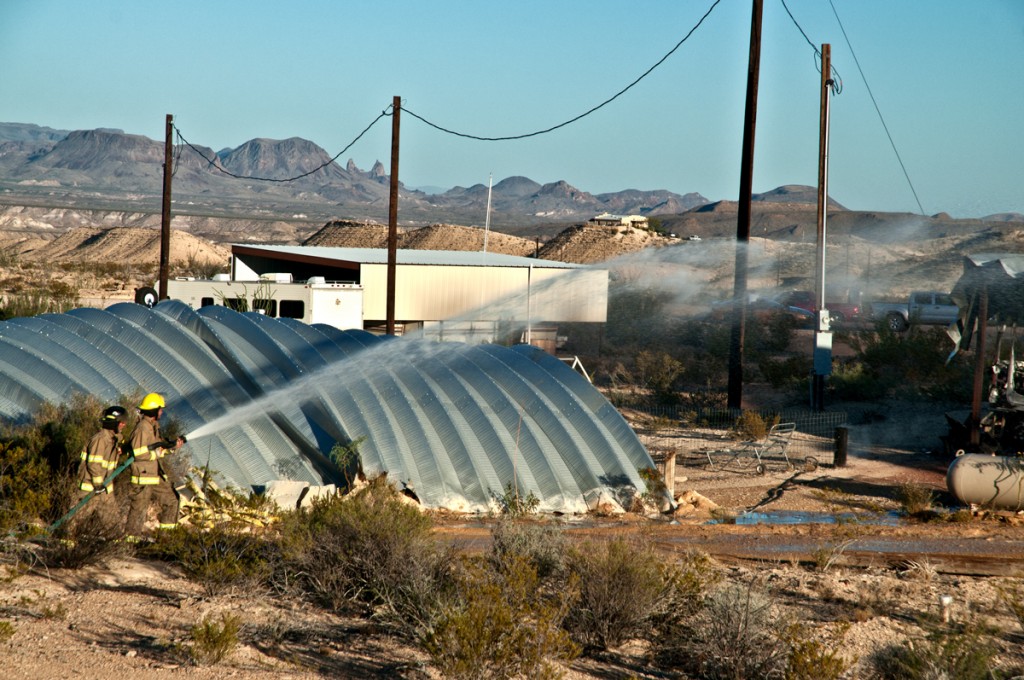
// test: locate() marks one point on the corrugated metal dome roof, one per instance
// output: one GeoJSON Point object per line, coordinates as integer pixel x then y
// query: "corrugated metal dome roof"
{"type": "Point", "coordinates": [265, 399]}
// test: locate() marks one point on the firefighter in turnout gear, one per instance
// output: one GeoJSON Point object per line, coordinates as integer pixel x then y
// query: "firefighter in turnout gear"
{"type": "Point", "coordinates": [99, 459]}
{"type": "Point", "coordinates": [149, 480]}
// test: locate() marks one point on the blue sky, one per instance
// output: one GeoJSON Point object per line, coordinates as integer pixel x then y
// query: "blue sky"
{"type": "Point", "coordinates": [946, 75]}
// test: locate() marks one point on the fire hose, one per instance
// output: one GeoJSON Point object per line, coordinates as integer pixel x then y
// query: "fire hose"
{"type": "Point", "coordinates": [168, 444]}
{"type": "Point", "coordinates": [82, 503]}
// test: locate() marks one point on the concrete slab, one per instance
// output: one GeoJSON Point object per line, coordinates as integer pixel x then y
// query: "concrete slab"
{"type": "Point", "coordinates": [286, 493]}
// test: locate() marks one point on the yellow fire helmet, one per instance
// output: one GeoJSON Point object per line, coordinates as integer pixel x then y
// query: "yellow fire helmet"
{"type": "Point", "coordinates": [151, 402]}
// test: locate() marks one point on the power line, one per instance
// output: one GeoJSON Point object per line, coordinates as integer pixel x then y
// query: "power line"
{"type": "Point", "coordinates": [582, 115]}
{"type": "Point", "coordinates": [212, 162]}
{"type": "Point", "coordinates": [877, 110]}
{"type": "Point", "coordinates": [837, 80]}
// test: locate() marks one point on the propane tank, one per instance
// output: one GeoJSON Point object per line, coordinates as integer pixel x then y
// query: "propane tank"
{"type": "Point", "coordinates": [991, 481]}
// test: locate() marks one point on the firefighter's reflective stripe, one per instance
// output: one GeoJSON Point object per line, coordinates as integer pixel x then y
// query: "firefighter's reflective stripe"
{"type": "Point", "coordinates": [87, 486]}
{"type": "Point", "coordinates": [145, 480]}
{"type": "Point", "coordinates": [95, 458]}
{"type": "Point", "coordinates": [142, 452]}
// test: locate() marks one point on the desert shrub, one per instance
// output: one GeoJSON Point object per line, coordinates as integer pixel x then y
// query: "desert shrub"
{"type": "Point", "coordinates": [505, 625]}
{"type": "Point", "coordinates": [1012, 598]}
{"type": "Point", "coordinates": [961, 653]}
{"type": "Point", "coordinates": [515, 504]}
{"type": "Point", "coordinates": [62, 296]}
{"type": "Point", "coordinates": [346, 457]}
{"type": "Point", "coordinates": [828, 554]}
{"type": "Point", "coordinates": [219, 559]}
{"type": "Point", "coordinates": [374, 553]}
{"type": "Point", "coordinates": [657, 371]}
{"type": "Point", "coordinates": [636, 316]}
{"type": "Point", "coordinates": [736, 636]}
{"type": "Point", "coordinates": [852, 381]}
{"type": "Point", "coordinates": [86, 539]}
{"type": "Point", "coordinates": [915, 499]}
{"type": "Point", "coordinates": [7, 631]}
{"type": "Point", "coordinates": [626, 590]}
{"type": "Point", "coordinates": [786, 372]}
{"type": "Point", "coordinates": [213, 640]}
{"type": "Point", "coordinates": [20, 305]}
{"type": "Point", "coordinates": [193, 265]}
{"type": "Point", "coordinates": [45, 450]}
{"type": "Point", "coordinates": [655, 483]}
{"type": "Point", "coordinates": [25, 487]}
{"type": "Point", "coordinates": [912, 363]}
{"type": "Point", "coordinates": [752, 425]}
{"type": "Point", "coordinates": [542, 545]}
{"type": "Point", "coordinates": [812, 658]}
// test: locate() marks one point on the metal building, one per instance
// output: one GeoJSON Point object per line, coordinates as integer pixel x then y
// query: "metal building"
{"type": "Point", "coordinates": [451, 295]}
{"type": "Point", "coordinates": [263, 399]}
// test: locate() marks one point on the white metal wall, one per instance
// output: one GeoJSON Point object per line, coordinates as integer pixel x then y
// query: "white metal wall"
{"type": "Point", "coordinates": [433, 293]}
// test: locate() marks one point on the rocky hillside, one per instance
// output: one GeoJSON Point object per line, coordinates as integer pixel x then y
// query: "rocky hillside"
{"type": "Point", "coordinates": [346, 234]}
{"type": "Point", "coordinates": [129, 246]}
{"type": "Point", "coordinates": [277, 177]}
{"type": "Point", "coordinates": [586, 244]}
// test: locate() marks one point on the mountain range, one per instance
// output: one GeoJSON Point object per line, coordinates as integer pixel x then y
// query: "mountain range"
{"type": "Point", "coordinates": [102, 167]}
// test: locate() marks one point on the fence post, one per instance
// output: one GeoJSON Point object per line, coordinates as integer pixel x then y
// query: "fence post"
{"type": "Point", "coordinates": [670, 472]}
{"type": "Point", "coordinates": [842, 445]}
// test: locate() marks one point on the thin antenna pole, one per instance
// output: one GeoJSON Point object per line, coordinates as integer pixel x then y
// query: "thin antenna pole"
{"type": "Point", "coordinates": [396, 110]}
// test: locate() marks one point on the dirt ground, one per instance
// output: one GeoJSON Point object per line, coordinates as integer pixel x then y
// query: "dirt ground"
{"type": "Point", "coordinates": [868, 580]}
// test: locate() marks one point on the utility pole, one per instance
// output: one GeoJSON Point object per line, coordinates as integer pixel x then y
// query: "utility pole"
{"type": "Point", "coordinates": [822, 334]}
{"type": "Point", "coordinates": [979, 369]}
{"type": "Point", "coordinates": [396, 110]}
{"type": "Point", "coordinates": [743, 216]}
{"type": "Point", "coordinates": [165, 213]}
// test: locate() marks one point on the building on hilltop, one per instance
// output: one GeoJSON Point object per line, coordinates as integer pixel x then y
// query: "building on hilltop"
{"type": "Point", "coordinates": [609, 220]}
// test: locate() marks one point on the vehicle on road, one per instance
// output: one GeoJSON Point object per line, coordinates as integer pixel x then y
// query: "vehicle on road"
{"type": "Point", "coordinates": [839, 312]}
{"type": "Point", "coordinates": [921, 307]}
{"type": "Point", "coordinates": [763, 308]}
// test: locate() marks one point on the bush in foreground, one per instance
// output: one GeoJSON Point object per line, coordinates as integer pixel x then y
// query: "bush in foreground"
{"type": "Point", "coordinates": [371, 552]}
{"type": "Point", "coordinates": [505, 625]}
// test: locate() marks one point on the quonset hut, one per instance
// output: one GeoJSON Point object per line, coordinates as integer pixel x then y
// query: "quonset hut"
{"type": "Point", "coordinates": [266, 399]}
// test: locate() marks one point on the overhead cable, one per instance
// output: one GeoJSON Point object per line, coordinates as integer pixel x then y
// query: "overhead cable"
{"type": "Point", "coordinates": [877, 110]}
{"type": "Point", "coordinates": [836, 80]}
{"type": "Point", "coordinates": [582, 115]}
{"type": "Point", "coordinates": [212, 162]}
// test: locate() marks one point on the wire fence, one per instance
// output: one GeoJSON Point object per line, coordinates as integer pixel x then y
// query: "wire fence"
{"type": "Point", "coordinates": [694, 434]}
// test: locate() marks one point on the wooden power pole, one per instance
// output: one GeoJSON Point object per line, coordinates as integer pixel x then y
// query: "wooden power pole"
{"type": "Point", "coordinates": [396, 109]}
{"type": "Point", "coordinates": [822, 335]}
{"type": "Point", "coordinates": [743, 215]}
{"type": "Point", "coordinates": [165, 213]}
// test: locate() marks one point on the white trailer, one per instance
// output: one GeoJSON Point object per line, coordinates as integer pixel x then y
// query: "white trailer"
{"type": "Point", "coordinates": [313, 301]}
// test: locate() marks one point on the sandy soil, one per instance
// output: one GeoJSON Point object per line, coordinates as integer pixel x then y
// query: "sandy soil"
{"type": "Point", "coordinates": [870, 579]}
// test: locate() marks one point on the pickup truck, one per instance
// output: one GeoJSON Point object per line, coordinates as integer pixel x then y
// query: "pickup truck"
{"type": "Point", "coordinates": [922, 307]}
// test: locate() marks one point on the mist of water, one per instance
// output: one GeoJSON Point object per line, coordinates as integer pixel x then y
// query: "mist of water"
{"type": "Point", "coordinates": [688, 275]}
{"type": "Point", "coordinates": [364, 365]}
